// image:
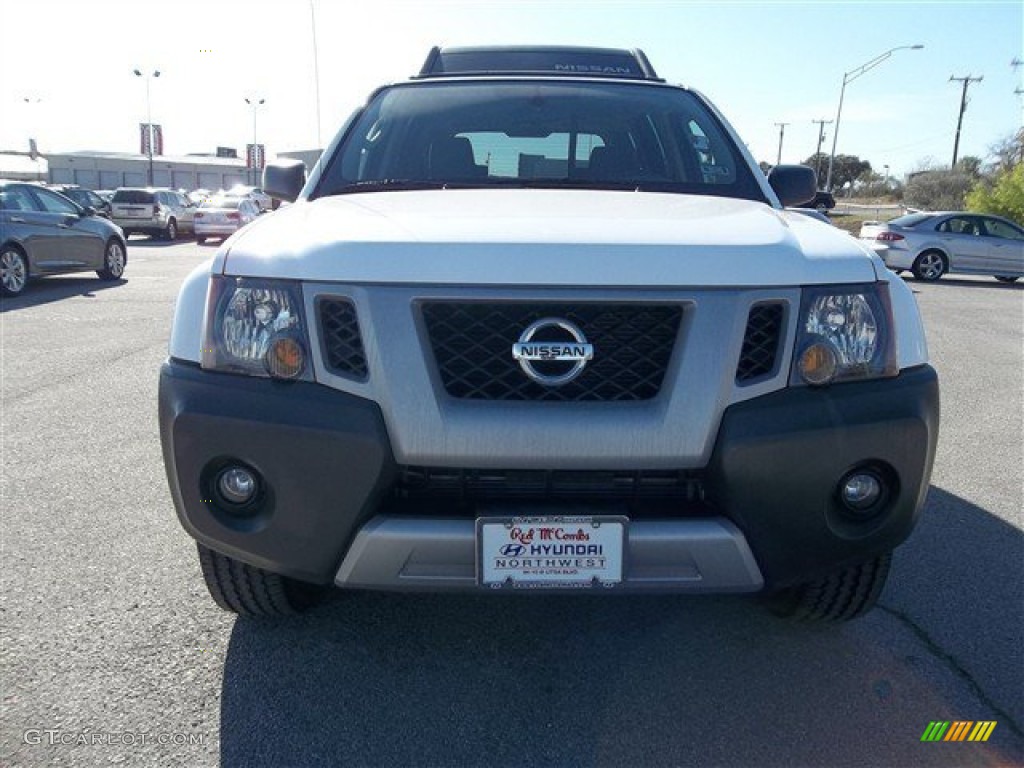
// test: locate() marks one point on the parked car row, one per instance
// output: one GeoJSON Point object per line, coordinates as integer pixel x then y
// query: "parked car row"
{"type": "Point", "coordinates": [932, 244]}
{"type": "Point", "coordinates": [56, 229]}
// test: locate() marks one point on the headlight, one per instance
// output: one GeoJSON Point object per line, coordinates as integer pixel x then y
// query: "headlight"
{"type": "Point", "coordinates": [256, 327]}
{"type": "Point", "coordinates": [844, 334]}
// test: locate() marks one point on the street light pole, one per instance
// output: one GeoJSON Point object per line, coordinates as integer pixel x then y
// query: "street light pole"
{"type": "Point", "coordinates": [849, 77]}
{"type": "Point", "coordinates": [255, 105]}
{"type": "Point", "coordinates": [316, 72]}
{"type": "Point", "coordinates": [150, 134]}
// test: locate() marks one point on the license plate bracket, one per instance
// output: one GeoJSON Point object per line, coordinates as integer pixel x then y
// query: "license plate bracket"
{"type": "Point", "coordinates": [551, 551]}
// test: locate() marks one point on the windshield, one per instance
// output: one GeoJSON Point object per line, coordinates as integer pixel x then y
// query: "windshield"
{"type": "Point", "coordinates": [133, 196]}
{"type": "Point", "coordinates": [540, 133]}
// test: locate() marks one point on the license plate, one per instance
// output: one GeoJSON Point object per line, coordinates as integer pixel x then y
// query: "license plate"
{"type": "Point", "coordinates": [573, 552]}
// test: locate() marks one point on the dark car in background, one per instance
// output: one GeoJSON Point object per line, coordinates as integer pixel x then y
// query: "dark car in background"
{"type": "Point", "coordinates": [823, 201]}
{"type": "Point", "coordinates": [44, 233]}
{"type": "Point", "coordinates": [86, 198]}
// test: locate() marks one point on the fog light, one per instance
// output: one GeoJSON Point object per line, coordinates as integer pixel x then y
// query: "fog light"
{"type": "Point", "coordinates": [818, 364]}
{"type": "Point", "coordinates": [860, 491]}
{"type": "Point", "coordinates": [285, 358]}
{"type": "Point", "coordinates": [237, 485]}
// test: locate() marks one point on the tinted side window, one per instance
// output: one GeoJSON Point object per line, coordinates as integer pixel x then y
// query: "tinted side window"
{"type": "Point", "coordinates": [17, 199]}
{"type": "Point", "coordinates": [959, 225]}
{"type": "Point", "coordinates": [997, 228]}
{"type": "Point", "coordinates": [54, 203]}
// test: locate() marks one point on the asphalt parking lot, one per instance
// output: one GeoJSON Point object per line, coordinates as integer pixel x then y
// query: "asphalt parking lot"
{"type": "Point", "coordinates": [112, 651]}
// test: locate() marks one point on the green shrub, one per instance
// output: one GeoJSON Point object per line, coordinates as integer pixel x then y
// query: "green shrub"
{"type": "Point", "coordinates": [1003, 197]}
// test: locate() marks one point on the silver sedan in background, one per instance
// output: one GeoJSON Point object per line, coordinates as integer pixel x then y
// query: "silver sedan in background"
{"type": "Point", "coordinates": [932, 244]}
{"type": "Point", "coordinates": [223, 215]}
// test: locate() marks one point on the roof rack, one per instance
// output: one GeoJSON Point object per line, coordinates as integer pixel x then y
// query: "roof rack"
{"type": "Point", "coordinates": [540, 59]}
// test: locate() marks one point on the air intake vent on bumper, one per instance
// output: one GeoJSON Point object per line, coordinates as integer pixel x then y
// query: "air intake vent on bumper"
{"type": "Point", "coordinates": [760, 342]}
{"type": "Point", "coordinates": [342, 342]}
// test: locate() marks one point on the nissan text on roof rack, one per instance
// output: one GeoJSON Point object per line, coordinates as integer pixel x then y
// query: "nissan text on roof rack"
{"type": "Point", "coordinates": [537, 321]}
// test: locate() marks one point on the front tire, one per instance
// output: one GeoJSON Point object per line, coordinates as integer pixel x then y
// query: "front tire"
{"type": "Point", "coordinates": [844, 595]}
{"type": "Point", "coordinates": [13, 271]}
{"type": "Point", "coordinates": [1007, 279]}
{"type": "Point", "coordinates": [200, 239]}
{"type": "Point", "coordinates": [930, 266]}
{"type": "Point", "coordinates": [114, 261]}
{"type": "Point", "coordinates": [171, 232]}
{"type": "Point", "coordinates": [249, 591]}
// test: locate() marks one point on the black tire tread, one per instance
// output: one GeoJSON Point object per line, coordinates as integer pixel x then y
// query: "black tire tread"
{"type": "Point", "coordinates": [249, 591]}
{"type": "Point", "coordinates": [841, 596]}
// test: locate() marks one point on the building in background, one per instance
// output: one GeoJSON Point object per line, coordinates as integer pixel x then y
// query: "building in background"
{"type": "Point", "coordinates": [110, 170]}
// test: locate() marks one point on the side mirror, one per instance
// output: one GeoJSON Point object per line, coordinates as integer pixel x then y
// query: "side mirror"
{"type": "Point", "coordinates": [285, 178]}
{"type": "Point", "coordinates": [88, 210]}
{"type": "Point", "coordinates": [794, 184]}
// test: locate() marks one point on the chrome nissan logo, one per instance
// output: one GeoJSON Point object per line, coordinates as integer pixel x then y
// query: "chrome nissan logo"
{"type": "Point", "coordinates": [560, 342]}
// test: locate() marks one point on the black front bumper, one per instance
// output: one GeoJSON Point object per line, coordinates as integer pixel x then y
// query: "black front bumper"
{"type": "Point", "coordinates": [326, 460]}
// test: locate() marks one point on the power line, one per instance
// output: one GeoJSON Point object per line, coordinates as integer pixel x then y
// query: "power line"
{"type": "Point", "coordinates": [963, 107]}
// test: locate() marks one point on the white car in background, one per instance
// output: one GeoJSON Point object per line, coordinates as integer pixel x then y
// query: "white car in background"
{"type": "Point", "coordinates": [932, 244]}
{"type": "Point", "coordinates": [222, 216]}
{"type": "Point", "coordinates": [263, 201]}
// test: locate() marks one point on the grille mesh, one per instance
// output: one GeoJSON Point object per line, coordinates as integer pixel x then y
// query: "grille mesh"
{"type": "Point", "coordinates": [343, 344]}
{"type": "Point", "coordinates": [472, 345]}
{"type": "Point", "coordinates": [760, 342]}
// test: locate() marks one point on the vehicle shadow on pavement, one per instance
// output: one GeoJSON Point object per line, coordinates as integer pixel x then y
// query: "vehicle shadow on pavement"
{"type": "Point", "coordinates": [505, 680]}
{"type": "Point", "coordinates": [54, 288]}
{"type": "Point", "coordinates": [151, 242]}
{"type": "Point", "coordinates": [949, 282]}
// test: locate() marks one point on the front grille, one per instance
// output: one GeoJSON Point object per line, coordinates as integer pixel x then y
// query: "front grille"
{"type": "Point", "coordinates": [441, 483]}
{"type": "Point", "coordinates": [342, 342]}
{"type": "Point", "coordinates": [472, 345]}
{"type": "Point", "coordinates": [760, 342]}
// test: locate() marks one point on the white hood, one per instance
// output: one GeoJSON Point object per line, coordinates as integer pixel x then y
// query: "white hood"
{"type": "Point", "coordinates": [545, 237]}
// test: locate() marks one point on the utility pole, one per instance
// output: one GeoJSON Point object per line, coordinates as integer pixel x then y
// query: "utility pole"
{"type": "Point", "coordinates": [782, 132]}
{"type": "Point", "coordinates": [821, 139]}
{"type": "Point", "coordinates": [1016, 64]}
{"type": "Point", "coordinates": [963, 107]}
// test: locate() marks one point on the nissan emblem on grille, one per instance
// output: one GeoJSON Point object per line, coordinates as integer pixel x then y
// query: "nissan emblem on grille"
{"type": "Point", "coordinates": [573, 351]}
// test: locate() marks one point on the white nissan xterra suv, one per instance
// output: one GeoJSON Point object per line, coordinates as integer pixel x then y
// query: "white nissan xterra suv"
{"type": "Point", "coordinates": [536, 320]}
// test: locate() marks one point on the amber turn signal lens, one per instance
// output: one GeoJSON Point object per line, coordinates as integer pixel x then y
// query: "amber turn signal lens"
{"type": "Point", "coordinates": [818, 364]}
{"type": "Point", "coordinates": [285, 358]}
